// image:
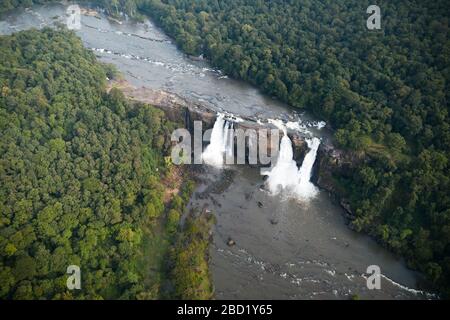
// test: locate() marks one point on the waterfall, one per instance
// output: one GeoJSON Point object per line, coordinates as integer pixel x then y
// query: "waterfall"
{"type": "Point", "coordinates": [284, 174]}
{"type": "Point", "coordinates": [305, 188]}
{"type": "Point", "coordinates": [287, 178]}
{"type": "Point", "coordinates": [187, 120]}
{"type": "Point", "coordinates": [221, 142]}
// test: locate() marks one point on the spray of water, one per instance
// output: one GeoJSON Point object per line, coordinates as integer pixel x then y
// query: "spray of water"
{"type": "Point", "coordinates": [285, 178]}
{"type": "Point", "coordinates": [221, 142]}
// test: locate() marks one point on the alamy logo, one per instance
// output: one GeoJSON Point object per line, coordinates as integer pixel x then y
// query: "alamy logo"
{"type": "Point", "coordinates": [227, 145]}
{"type": "Point", "coordinates": [374, 21]}
{"type": "Point", "coordinates": [374, 279]}
{"type": "Point", "coordinates": [74, 280]}
{"type": "Point", "coordinates": [73, 14]}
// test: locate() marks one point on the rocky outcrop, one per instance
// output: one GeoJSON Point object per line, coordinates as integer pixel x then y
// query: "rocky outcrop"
{"type": "Point", "coordinates": [179, 109]}
{"type": "Point", "coordinates": [176, 108]}
{"type": "Point", "coordinates": [330, 164]}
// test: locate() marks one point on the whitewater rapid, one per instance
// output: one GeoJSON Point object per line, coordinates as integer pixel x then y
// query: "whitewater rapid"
{"type": "Point", "coordinates": [286, 178]}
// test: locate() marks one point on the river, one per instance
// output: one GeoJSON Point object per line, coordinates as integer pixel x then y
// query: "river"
{"type": "Point", "coordinates": [284, 248]}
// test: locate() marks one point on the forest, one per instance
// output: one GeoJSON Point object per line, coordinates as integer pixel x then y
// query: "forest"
{"type": "Point", "coordinates": [81, 173]}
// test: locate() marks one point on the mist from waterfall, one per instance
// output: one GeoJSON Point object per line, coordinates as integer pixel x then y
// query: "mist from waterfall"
{"type": "Point", "coordinates": [221, 142]}
{"type": "Point", "coordinates": [285, 178]}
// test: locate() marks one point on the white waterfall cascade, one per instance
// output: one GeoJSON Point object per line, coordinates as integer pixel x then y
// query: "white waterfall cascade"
{"type": "Point", "coordinates": [286, 178]}
{"type": "Point", "coordinates": [221, 142]}
{"type": "Point", "coordinates": [306, 189]}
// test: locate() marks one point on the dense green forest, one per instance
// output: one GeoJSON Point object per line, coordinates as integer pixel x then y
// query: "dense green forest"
{"type": "Point", "coordinates": [384, 92]}
{"type": "Point", "coordinates": [81, 173]}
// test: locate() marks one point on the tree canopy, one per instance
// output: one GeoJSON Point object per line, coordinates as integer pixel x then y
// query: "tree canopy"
{"type": "Point", "coordinates": [384, 92]}
{"type": "Point", "coordinates": [80, 174]}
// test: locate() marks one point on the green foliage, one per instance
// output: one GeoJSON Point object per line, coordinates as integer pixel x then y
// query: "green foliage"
{"type": "Point", "coordinates": [79, 173]}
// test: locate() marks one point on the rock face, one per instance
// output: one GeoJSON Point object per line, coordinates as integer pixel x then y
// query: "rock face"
{"type": "Point", "coordinates": [300, 148]}
{"type": "Point", "coordinates": [332, 163]}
